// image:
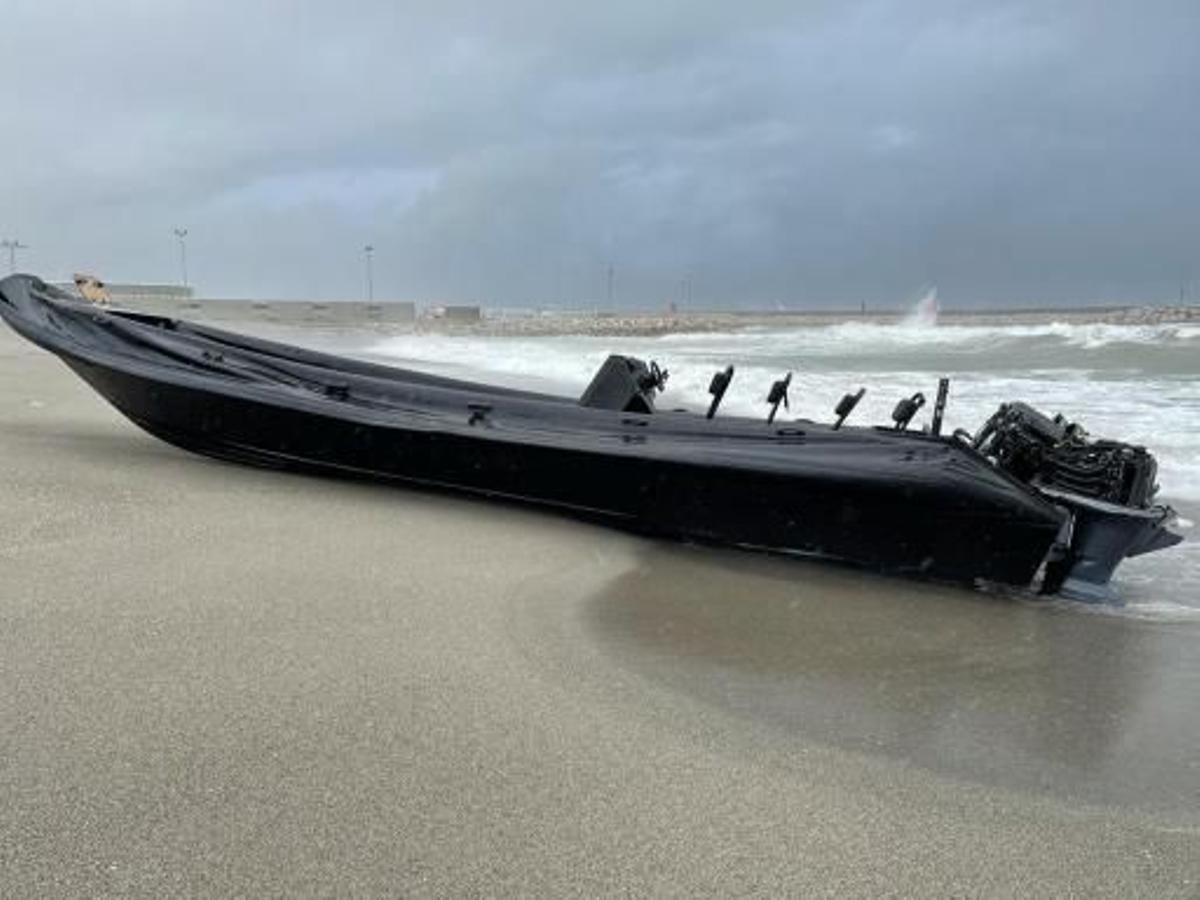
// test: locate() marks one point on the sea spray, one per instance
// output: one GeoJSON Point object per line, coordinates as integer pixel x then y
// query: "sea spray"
{"type": "Point", "coordinates": [924, 313]}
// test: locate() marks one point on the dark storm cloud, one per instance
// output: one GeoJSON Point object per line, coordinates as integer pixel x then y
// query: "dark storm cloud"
{"type": "Point", "coordinates": [787, 153]}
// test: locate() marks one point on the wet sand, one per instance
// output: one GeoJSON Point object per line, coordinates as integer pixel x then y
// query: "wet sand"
{"type": "Point", "coordinates": [223, 681]}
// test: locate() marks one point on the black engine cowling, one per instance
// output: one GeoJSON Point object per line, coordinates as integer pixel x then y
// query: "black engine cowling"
{"type": "Point", "coordinates": [1057, 454]}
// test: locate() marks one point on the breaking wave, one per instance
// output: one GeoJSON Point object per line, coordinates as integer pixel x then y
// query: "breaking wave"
{"type": "Point", "coordinates": [987, 346]}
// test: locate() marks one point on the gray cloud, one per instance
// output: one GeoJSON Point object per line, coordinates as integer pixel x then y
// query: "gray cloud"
{"type": "Point", "coordinates": [804, 154]}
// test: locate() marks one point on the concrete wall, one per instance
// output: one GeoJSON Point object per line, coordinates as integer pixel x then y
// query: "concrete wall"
{"type": "Point", "coordinates": [132, 295]}
{"type": "Point", "coordinates": [461, 314]}
{"type": "Point", "coordinates": [298, 312]}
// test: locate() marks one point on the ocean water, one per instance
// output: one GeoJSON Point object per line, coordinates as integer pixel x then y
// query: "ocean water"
{"type": "Point", "coordinates": [1128, 382]}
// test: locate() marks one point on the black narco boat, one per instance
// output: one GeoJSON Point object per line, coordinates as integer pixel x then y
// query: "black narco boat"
{"type": "Point", "coordinates": [1028, 501]}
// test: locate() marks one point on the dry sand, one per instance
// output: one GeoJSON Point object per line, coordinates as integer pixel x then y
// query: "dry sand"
{"type": "Point", "coordinates": [221, 681]}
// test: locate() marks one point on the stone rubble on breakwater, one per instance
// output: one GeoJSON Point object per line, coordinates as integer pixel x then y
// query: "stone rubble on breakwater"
{"type": "Point", "coordinates": [406, 316]}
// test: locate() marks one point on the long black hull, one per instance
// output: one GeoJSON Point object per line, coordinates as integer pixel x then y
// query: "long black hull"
{"type": "Point", "coordinates": [891, 501]}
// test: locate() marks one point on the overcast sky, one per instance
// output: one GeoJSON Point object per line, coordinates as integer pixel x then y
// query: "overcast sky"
{"type": "Point", "coordinates": [793, 153]}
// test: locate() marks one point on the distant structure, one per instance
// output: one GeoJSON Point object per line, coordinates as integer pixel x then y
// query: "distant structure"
{"type": "Point", "coordinates": [12, 245]}
{"type": "Point", "coordinates": [178, 301]}
{"type": "Point", "coordinates": [92, 289]}
{"type": "Point", "coordinates": [458, 314]}
{"type": "Point", "coordinates": [368, 251]}
{"type": "Point", "coordinates": [181, 234]}
{"type": "Point", "coordinates": [135, 295]}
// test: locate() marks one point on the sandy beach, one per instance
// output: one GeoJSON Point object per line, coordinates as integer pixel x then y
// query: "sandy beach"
{"type": "Point", "coordinates": [221, 681]}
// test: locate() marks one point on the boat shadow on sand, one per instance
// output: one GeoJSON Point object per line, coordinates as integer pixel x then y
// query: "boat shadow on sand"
{"type": "Point", "coordinates": [1030, 695]}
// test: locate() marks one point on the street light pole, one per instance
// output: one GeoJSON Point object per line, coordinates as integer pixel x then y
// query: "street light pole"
{"type": "Point", "coordinates": [367, 251]}
{"type": "Point", "coordinates": [182, 233]}
{"type": "Point", "coordinates": [12, 246]}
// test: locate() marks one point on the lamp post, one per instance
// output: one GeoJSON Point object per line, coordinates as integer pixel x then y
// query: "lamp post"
{"type": "Point", "coordinates": [368, 250]}
{"type": "Point", "coordinates": [182, 233]}
{"type": "Point", "coordinates": [12, 246]}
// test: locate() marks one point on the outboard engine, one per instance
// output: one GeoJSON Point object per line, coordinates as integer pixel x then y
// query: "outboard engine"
{"type": "Point", "coordinates": [1057, 454]}
{"type": "Point", "coordinates": [625, 384]}
{"type": "Point", "coordinates": [1107, 486]}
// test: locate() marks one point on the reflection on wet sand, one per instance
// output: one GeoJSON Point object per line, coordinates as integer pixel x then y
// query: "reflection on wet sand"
{"type": "Point", "coordinates": [1047, 698]}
